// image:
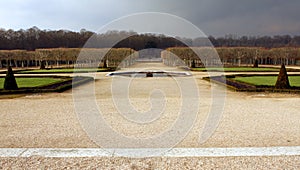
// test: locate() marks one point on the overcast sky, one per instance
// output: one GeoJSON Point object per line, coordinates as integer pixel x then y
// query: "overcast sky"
{"type": "Point", "coordinates": [213, 17]}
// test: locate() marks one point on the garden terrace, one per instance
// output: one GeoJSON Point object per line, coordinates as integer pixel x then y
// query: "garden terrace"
{"type": "Point", "coordinates": [256, 83]}
{"type": "Point", "coordinates": [36, 84]}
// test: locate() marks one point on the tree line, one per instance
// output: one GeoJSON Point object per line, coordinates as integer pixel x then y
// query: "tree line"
{"type": "Point", "coordinates": [34, 38]}
{"type": "Point", "coordinates": [86, 57]}
{"type": "Point", "coordinates": [232, 56]}
{"type": "Point", "coordinates": [174, 56]}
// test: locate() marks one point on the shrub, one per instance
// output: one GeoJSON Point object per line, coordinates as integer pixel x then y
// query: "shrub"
{"type": "Point", "coordinates": [10, 80]}
{"type": "Point", "coordinates": [255, 65]}
{"type": "Point", "coordinates": [42, 65]}
{"type": "Point", "coordinates": [193, 64]}
{"type": "Point", "coordinates": [282, 80]}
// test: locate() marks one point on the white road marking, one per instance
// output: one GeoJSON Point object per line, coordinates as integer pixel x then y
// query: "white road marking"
{"type": "Point", "coordinates": [175, 152]}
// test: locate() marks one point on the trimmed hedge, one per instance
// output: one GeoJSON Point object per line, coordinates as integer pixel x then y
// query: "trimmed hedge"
{"type": "Point", "coordinates": [60, 86]}
{"type": "Point", "coordinates": [60, 71]}
{"type": "Point", "coordinates": [241, 69]}
{"type": "Point", "coordinates": [245, 87]}
{"type": "Point", "coordinates": [10, 82]}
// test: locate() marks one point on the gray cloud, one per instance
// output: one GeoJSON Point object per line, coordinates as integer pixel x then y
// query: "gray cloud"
{"type": "Point", "coordinates": [214, 17]}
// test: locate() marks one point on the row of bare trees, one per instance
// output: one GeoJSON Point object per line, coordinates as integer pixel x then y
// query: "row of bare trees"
{"type": "Point", "coordinates": [57, 57]}
{"type": "Point", "coordinates": [230, 56]}
{"type": "Point", "coordinates": [247, 56]}
{"type": "Point", "coordinates": [192, 57]}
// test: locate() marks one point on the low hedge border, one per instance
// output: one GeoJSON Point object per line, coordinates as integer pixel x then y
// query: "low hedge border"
{"type": "Point", "coordinates": [263, 71]}
{"type": "Point", "coordinates": [60, 86]}
{"type": "Point", "coordinates": [245, 87]}
{"type": "Point", "coordinates": [59, 72]}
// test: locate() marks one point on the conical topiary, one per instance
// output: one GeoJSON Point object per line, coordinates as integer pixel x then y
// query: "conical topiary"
{"type": "Point", "coordinates": [282, 80]}
{"type": "Point", "coordinates": [10, 81]}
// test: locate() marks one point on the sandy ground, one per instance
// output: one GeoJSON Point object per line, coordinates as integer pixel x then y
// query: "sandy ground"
{"type": "Point", "coordinates": [288, 162]}
{"type": "Point", "coordinates": [249, 119]}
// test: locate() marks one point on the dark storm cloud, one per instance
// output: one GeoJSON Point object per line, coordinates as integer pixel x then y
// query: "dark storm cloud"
{"type": "Point", "coordinates": [242, 17]}
{"type": "Point", "coordinates": [214, 17]}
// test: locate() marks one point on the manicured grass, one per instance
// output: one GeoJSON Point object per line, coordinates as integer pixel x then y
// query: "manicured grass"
{"type": "Point", "coordinates": [267, 80]}
{"type": "Point", "coordinates": [63, 70]}
{"type": "Point", "coordinates": [235, 69]}
{"type": "Point", "coordinates": [32, 82]}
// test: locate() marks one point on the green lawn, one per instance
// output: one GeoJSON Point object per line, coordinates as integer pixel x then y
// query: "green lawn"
{"type": "Point", "coordinates": [235, 69]}
{"type": "Point", "coordinates": [32, 82]}
{"type": "Point", "coordinates": [63, 70]}
{"type": "Point", "coordinates": [267, 80]}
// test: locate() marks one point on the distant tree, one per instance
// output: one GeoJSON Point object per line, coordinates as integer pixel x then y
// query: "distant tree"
{"type": "Point", "coordinates": [255, 65]}
{"type": "Point", "coordinates": [282, 80]}
{"type": "Point", "coordinates": [10, 81]}
{"type": "Point", "coordinates": [42, 65]}
{"type": "Point", "coordinates": [193, 65]}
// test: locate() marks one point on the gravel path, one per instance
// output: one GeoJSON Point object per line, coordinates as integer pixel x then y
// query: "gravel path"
{"type": "Point", "coordinates": [287, 162]}
{"type": "Point", "coordinates": [249, 119]}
